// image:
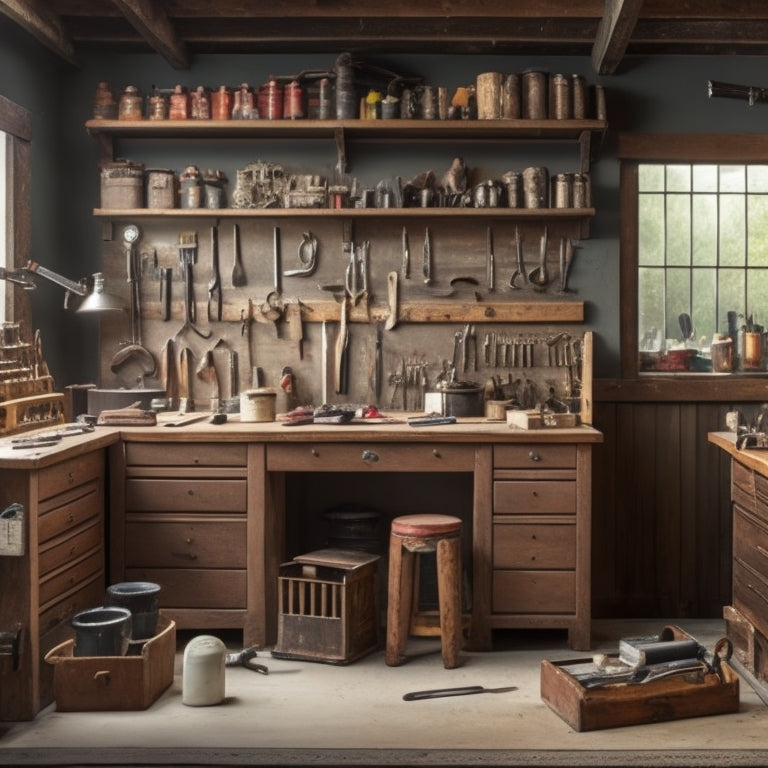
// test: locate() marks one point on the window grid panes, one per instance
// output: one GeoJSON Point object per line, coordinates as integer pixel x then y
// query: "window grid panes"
{"type": "Point", "coordinates": [702, 254]}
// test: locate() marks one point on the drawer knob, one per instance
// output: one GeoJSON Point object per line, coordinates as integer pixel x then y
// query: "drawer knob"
{"type": "Point", "coordinates": [70, 478]}
{"type": "Point", "coordinates": [436, 453]}
{"type": "Point", "coordinates": [533, 456]}
{"type": "Point", "coordinates": [370, 457]}
{"type": "Point", "coordinates": [190, 492]}
{"type": "Point", "coordinates": [314, 452]}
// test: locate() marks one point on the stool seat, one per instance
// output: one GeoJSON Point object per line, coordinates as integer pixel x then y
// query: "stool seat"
{"type": "Point", "coordinates": [411, 536]}
{"type": "Point", "coordinates": [426, 525]}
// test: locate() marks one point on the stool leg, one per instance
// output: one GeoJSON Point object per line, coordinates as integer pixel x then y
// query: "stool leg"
{"type": "Point", "coordinates": [399, 597]}
{"type": "Point", "coordinates": [449, 598]}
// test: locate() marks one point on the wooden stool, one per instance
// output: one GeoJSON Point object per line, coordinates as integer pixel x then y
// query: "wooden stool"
{"type": "Point", "coordinates": [410, 535]}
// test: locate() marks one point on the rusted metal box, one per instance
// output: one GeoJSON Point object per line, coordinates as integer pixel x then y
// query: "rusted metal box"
{"type": "Point", "coordinates": [327, 606]}
{"type": "Point", "coordinates": [612, 706]}
{"type": "Point", "coordinates": [100, 683]}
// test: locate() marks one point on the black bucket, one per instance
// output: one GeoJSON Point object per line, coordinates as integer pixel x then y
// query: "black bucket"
{"type": "Point", "coordinates": [140, 598]}
{"type": "Point", "coordinates": [102, 631]}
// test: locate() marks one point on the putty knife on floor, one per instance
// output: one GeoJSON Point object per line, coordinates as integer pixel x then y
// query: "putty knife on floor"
{"type": "Point", "coordinates": [437, 693]}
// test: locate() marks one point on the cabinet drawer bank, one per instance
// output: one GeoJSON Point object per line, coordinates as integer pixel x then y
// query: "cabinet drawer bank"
{"type": "Point", "coordinates": [62, 486]}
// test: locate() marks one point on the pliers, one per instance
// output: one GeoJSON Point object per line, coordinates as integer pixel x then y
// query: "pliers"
{"type": "Point", "coordinates": [245, 658]}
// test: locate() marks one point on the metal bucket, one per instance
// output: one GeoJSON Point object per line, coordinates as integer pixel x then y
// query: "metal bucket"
{"type": "Point", "coordinates": [122, 185]}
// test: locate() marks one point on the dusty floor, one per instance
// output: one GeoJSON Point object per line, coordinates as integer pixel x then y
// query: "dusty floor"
{"type": "Point", "coordinates": [321, 714]}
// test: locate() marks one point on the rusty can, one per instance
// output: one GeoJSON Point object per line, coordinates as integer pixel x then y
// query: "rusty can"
{"type": "Point", "coordinates": [243, 105]}
{"type": "Point", "coordinates": [270, 100]}
{"type": "Point", "coordinates": [559, 97]}
{"type": "Point", "coordinates": [579, 97]}
{"type": "Point", "coordinates": [104, 104]}
{"type": "Point", "coordinates": [130, 106]}
{"type": "Point", "coordinates": [178, 104]}
{"type": "Point", "coordinates": [488, 93]}
{"type": "Point", "coordinates": [161, 188]}
{"type": "Point", "coordinates": [122, 184]}
{"type": "Point", "coordinates": [513, 182]}
{"type": "Point", "coordinates": [536, 187]}
{"type": "Point", "coordinates": [157, 107]}
{"type": "Point", "coordinates": [346, 98]}
{"type": "Point", "coordinates": [582, 193]}
{"type": "Point", "coordinates": [199, 104]}
{"type": "Point", "coordinates": [534, 95]}
{"type": "Point", "coordinates": [293, 101]}
{"type": "Point", "coordinates": [221, 103]}
{"type": "Point", "coordinates": [561, 190]}
{"type": "Point", "coordinates": [510, 97]}
{"type": "Point", "coordinates": [428, 103]}
{"type": "Point", "coordinates": [600, 109]}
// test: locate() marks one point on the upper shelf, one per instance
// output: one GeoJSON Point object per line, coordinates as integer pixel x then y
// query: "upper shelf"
{"type": "Point", "coordinates": [580, 131]}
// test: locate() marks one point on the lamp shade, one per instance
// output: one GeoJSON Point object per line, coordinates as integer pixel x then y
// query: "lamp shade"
{"type": "Point", "coordinates": [98, 300]}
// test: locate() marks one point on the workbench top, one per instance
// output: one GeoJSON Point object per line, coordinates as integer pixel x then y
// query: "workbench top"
{"type": "Point", "coordinates": [755, 459]}
{"type": "Point", "coordinates": [465, 430]}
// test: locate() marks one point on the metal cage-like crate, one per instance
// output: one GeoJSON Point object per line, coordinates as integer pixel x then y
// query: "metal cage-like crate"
{"type": "Point", "coordinates": [327, 606]}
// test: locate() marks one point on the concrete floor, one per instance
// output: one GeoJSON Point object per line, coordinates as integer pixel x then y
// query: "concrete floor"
{"type": "Point", "coordinates": [306, 713]}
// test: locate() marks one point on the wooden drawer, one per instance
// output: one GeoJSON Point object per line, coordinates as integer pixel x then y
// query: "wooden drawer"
{"type": "Point", "coordinates": [70, 547]}
{"type": "Point", "coordinates": [68, 578]}
{"type": "Point", "coordinates": [186, 454]}
{"type": "Point", "coordinates": [534, 456]}
{"type": "Point", "coordinates": [190, 588]}
{"type": "Point", "coordinates": [538, 592]}
{"type": "Point", "coordinates": [376, 457]}
{"type": "Point", "coordinates": [534, 546]}
{"type": "Point", "coordinates": [185, 495]}
{"type": "Point", "coordinates": [527, 497]}
{"type": "Point", "coordinates": [67, 511]}
{"type": "Point", "coordinates": [750, 542]}
{"type": "Point", "coordinates": [743, 477]}
{"type": "Point", "coordinates": [69, 474]}
{"type": "Point", "coordinates": [750, 595]}
{"type": "Point", "coordinates": [87, 595]}
{"type": "Point", "coordinates": [184, 543]}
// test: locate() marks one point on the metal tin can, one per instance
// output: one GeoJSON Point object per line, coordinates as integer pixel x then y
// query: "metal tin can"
{"type": "Point", "coordinates": [104, 104]}
{"type": "Point", "coordinates": [161, 188]}
{"type": "Point", "coordinates": [513, 181]}
{"type": "Point", "coordinates": [257, 405]}
{"type": "Point", "coordinates": [221, 103]}
{"type": "Point", "coordinates": [270, 100]}
{"type": "Point", "coordinates": [536, 187]}
{"type": "Point", "coordinates": [534, 95]}
{"type": "Point", "coordinates": [157, 107]}
{"type": "Point", "coordinates": [293, 101]}
{"type": "Point", "coordinates": [122, 184]}
{"type": "Point", "coordinates": [582, 192]}
{"type": "Point", "coordinates": [346, 99]}
{"type": "Point", "coordinates": [130, 106]}
{"type": "Point", "coordinates": [488, 91]}
{"type": "Point", "coordinates": [510, 97]}
{"type": "Point", "coordinates": [559, 97]}
{"type": "Point", "coordinates": [199, 104]}
{"type": "Point", "coordinates": [579, 97]}
{"type": "Point", "coordinates": [428, 103]}
{"type": "Point", "coordinates": [178, 104]}
{"type": "Point", "coordinates": [600, 109]}
{"type": "Point", "coordinates": [243, 106]}
{"type": "Point", "coordinates": [561, 190]}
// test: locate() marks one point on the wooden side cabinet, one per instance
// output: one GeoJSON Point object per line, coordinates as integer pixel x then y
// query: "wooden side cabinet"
{"type": "Point", "coordinates": [541, 539]}
{"type": "Point", "coordinates": [179, 518]}
{"type": "Point", "coordinates": [60, 572]}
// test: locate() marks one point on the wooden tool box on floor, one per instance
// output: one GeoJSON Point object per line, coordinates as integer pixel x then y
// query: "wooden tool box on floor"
{"type": "Point", "coordinates": [327, 606]}
{"type": "Point", "coordinates": [612, 706]}
{"type": "Point", "coordinates": [101, 683]}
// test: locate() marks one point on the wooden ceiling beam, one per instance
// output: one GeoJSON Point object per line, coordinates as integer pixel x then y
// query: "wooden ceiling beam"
{"type": "Point", "coordinates": [150, 20]}
{"type": "Point", "coordinates": [613, 34]}
{"type": "Point", "coordinates": [46, 27]}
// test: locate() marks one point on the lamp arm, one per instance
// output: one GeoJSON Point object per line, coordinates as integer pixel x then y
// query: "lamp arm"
{"type": "Point", "coordinates": [80, 288]}
{"type": "Point", "coordinates": [19, 276]}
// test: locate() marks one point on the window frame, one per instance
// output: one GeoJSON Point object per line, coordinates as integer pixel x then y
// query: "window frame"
{"type": "Point", "coordinates": [16, 122]}
{"type": "Point", "coordinates": [636, 149]}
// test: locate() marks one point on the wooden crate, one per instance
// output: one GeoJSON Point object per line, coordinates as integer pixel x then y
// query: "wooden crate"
{"type": "Point", "coordinates": [613, 706]}
{"type": "Point", "coordinates": [327, 606]}
{"type": "Point", "coordinates": [90, 683]}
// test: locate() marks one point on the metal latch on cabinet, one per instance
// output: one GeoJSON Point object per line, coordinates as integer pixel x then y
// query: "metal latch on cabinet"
{"type": "Point", "coordinates": [12, 530]}
{"type": "Point", "coordinates": [10, 647]}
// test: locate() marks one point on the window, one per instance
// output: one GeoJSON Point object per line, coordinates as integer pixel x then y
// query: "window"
{"type": "Point", "coordinates": [694, 251]}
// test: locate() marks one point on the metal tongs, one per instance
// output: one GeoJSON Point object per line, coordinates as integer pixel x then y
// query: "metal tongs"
{"type": "Point", "coordinates": [245, 658]}
{"type": "Point", "coordinates": [51, 437]}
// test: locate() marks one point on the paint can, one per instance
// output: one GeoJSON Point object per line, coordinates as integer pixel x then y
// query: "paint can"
{"type": "Point", "coordinates": [258, 405]}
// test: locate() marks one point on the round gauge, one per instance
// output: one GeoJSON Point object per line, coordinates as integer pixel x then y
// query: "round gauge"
{"type": "Point", "coordinates": [131, 233]}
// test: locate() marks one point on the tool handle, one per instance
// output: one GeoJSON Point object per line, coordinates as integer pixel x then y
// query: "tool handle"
{"type": "Point", "coordinates": [437, 693]}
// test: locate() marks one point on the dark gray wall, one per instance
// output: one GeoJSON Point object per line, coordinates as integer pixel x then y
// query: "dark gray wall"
{"type": "Point", "coordinates": [665, 94]}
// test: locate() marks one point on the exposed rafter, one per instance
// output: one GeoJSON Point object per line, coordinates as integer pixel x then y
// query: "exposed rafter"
{"type": "Point", "coordinates": [152, 23]}
{"type": "Point", "coordinates": [613, 34]}
{"type": "Point", "coordinates": [42, 24]}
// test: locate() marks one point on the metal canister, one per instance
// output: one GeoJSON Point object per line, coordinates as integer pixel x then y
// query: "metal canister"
{"type": "Point", "coordinates": [199, 104]}
{"type": "Point", "coordinates": [536, 187]}
{"type": "Point", "coordinates": [293, 101]}
{"type": "Point", "coordinates": [161, 188]}
{"type": "Point", "coordinates": [221, 103]}
{"type": "Point", "coordinates": [534, 95]}
{"type": "Point", "coordinates": [600, 109]}
{"type": "Point", "coordinates": [157, 107]}
{"type": "Point", "coordinates": [510, 97]}
{"type": "Point", "coordinates": [488, 92]}
{"type": "Point", "coordinates": [561, 190]}
{"type": "Point", "coordinates": [130, 106]}
{"type": "Point", "coordinates": [428, 103]}
{"type": "Point", "coordinates": [270, 100]}
{"type": "Point", "coordinates": [243, 105]}
{"type": "Point", "coordinates": [178, 104]}
{"type": "Point", "coordinates": [104, 104]}
{"type": "Point", "coordinates": [579, 97]}
{"type": "Point", "coordinates": [191, 184]}
{"type": "Point", "coordinates": [513, 181]}
{"type": "Point", "coordinates": [346, 99]}
{"type": "Point", "coordinates": [122, 184]}
{"type": "Point", "coordinates": [582, 191]}
{"type": "Point", "coordinates": [559, 97]}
